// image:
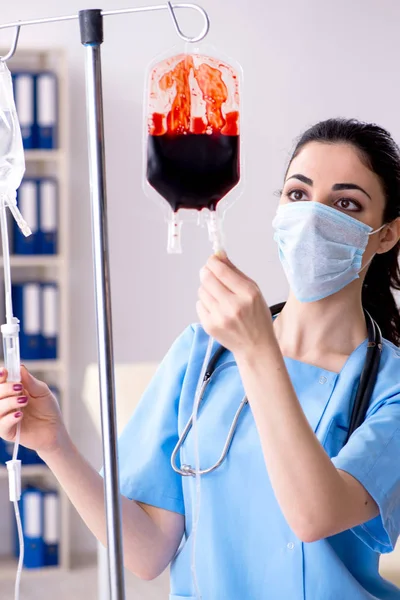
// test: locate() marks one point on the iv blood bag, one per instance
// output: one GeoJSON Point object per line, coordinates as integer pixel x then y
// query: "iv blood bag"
{"type": "Point", "coordinates": [192, 135]}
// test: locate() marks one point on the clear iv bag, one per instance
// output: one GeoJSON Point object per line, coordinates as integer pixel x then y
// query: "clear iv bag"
{"type": "Point", "coordinates": [192, 137]}
{"type": "Point", "coordinates": [12, 161]}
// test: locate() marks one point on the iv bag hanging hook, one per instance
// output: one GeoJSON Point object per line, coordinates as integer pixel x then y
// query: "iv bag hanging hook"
{"type": "Point", "coordinates": [13, 48]}
{"type": "Point", "coordinates": [167, 6]}
{"type": "Point", "coordinates": [179, 31]}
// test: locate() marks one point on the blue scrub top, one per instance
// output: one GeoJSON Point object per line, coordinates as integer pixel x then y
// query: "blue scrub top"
{"type": "Point", "coordinates": [245, 548]}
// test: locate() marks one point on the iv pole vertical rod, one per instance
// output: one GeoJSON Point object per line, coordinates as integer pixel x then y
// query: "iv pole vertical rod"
{"type": "Point", "coordinates": [91, 25]}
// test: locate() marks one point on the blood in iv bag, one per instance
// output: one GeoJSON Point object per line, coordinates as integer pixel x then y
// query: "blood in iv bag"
{"type": "Point", "coordinates": [193, 161]}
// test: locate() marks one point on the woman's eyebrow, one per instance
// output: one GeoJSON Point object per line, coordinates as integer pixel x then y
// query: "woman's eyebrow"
{"type": "Point", "coordinates": [335, 188]}
{"type": "Point", "coordinates": [349, 186]}
{"type": "Point", "coordinates": [302, 178]}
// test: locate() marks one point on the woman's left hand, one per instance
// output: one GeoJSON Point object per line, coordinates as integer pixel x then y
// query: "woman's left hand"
{"type": "Point", "coordinates": [231, 307]}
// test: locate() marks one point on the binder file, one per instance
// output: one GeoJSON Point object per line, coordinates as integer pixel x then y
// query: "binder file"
{"type": "Point", "coordinates": [28, 204]}
{"type": "Point", "coordinates": [49, 320]}
{"type": "Point", "coordinates": [3, 452]}
{"type": "Point", "coordinates": [29, 457]}
{"type": "Point", "coordinates": [25, 455]}
{"type": "Point", "coordinates": [48, 195]}
{"type": "Point", "coordinates": [31, 507]}
{"type": "Point", "coordinates": [24, 94]}
{"type": "Point", "coordinates": [7, 450]}
{"type": "Point", "coordinates": [26, 299]}
{"type": "Point", "coordinates": [47, 113]}
{"type": "Point", "coordinates": [51, 534]}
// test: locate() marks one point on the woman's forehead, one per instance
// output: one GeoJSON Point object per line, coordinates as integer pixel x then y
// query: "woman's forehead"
{"type": "Point", "coordinates": [339, 162]}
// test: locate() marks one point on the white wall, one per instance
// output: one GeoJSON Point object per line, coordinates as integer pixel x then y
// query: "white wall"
{"type": "Point", "coordinates": [303, 61]}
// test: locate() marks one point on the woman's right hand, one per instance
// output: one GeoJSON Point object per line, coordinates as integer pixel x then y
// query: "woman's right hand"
{"type": "Point", "coordinates": [32, 404]}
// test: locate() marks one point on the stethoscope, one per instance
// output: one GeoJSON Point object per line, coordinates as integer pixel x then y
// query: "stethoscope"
{"type": "Point", "coordinates": [360, 407]}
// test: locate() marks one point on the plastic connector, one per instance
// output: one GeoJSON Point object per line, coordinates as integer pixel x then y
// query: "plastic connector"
{"type": "Point", "coordinates": [22, 224]}
{"type": "Point", "coordinates": [215, 232]}
{"type": "Point", "coordinates": [14, 479]}
{"type": "Point", "coordinates": [174, 235]}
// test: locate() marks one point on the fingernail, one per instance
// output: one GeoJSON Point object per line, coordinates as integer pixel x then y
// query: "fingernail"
{"type": "Point", "coordinates": [2, 372]}
{"type": "Point", "coordinates": [17, 387]}
{"type": "Point", "coordinates": [22, 400]}
{"type": "Point", "coordinates": [18, 414]}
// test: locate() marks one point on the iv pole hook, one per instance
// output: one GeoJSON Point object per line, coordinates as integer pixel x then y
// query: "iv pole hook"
{"type": "Point", "coordinates": [13, 48]}
{"type": "Point", "coordinates": [179, 31]}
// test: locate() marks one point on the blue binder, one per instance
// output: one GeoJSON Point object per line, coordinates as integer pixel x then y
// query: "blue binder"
{"type": "Point", "coordinates": [31, 508]}
{"type": "Point", "coordinates": [26, 300]}
{"type": "Point", "coordinates": [51, 520]}
{"type": "Point", "coordinates": [29, 457]}
{"type": "Point", "coordinates": [48, 228]}
{"type": "Point", "coordinates": [28, 203]}
{"type": "Point", "coordinates": [6, 451]}
{"type": "Point", "coordinates": [3, 452]}
{"type": "Point", "coordinates": [49, 320]}
{"type": "Point", "coordinates": [25, 103]}
{"type": "Point", "coordinates": [47, 110]}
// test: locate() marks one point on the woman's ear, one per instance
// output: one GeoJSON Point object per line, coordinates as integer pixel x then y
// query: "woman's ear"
{"type": "Point", "coordinates": [390, 237]}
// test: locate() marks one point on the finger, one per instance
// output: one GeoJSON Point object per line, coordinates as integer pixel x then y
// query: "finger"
{"type": "Point", "coordinates": [3, 375]}
{"type": "Point", "coordinates": [202, 313]}
{"type": "Point", "coordinates": [208, 301]}
{"type": "Point", "coordinates": [8, 425]}
{"type": "Point", "coordinates": [11, 389]}
{"type": "Point", "coordinates": [227, 274]}
{"type": "Point", "coordinates": [213, 285]}
{"type": "Point", "coordinates": [223, 257]}
{"type": "Point", "coordinates": [35, 387]}
{"type": "Point", "coordinates": [12, 403]}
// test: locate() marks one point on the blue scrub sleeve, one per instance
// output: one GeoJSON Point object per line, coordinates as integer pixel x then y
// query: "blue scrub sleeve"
{"type": "Point", "coordinates": [147, 442]}
{"type": "Point", "coordinates": [372, 455]}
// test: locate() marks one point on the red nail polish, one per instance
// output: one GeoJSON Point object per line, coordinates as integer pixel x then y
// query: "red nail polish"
{"type": "Point", "coordinates": [22, 400]}
{"type": "Point", "coordinates": [17, 387]}
{"type": "Point", "coordinates": [18, 414]}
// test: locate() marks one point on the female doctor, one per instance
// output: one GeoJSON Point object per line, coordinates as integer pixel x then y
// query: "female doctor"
{"type": "Point", "coordinates": [291, 512]}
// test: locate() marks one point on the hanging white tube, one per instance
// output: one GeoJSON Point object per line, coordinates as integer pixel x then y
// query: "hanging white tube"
{"type": "Point", "coordinates": [216, 239]}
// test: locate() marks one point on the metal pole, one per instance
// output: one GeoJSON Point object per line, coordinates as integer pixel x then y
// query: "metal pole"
{"type": "Point", "coordinates": [91, 24]}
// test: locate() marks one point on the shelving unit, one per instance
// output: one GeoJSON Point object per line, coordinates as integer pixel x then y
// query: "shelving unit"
{"type": "Point", "coordinates": [34, 261]}
{"type": "Point", "coordinates": [52, 268]}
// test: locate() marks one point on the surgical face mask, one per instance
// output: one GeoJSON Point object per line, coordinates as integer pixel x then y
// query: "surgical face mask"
{"type": "Point", "coordinates": [320, 248]}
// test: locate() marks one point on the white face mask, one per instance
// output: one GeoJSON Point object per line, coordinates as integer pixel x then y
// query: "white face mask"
{"type": "Point", "coordinates": [320, 248]}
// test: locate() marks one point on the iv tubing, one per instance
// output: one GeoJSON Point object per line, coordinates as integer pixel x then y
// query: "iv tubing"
{"type": "Point", "coordinates": [10, 320]}
{"type": "Point", "coordinates": [216, 239]}
{"type": "Point", "coordinates": [7, 286]}
{"type": "Point", "coordinates": [197, 495]}
{"type": "Point", "coordinates": [6, 259]}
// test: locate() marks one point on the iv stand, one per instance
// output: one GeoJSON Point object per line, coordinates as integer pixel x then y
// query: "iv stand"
{"type": "Point", "coordinates": [91, 29]}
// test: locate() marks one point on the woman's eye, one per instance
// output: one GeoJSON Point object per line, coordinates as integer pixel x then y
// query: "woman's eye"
{"type": "Point", "coordinates": [348, 204]}
{"type": "Point", "coordinates": [295, 195]}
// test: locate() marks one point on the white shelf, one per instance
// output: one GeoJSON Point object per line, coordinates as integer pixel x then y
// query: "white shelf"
{"type": "Point", "coordinates": [34, 260]}
{"type": "Point", "coordinates": [8, 569]}
{"type": "Point", "coordinates": [41, 365]}
{"type": "Point", "coordinates": [27, 471]}
{"type": "Point", "coordinates": [43, 155]}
